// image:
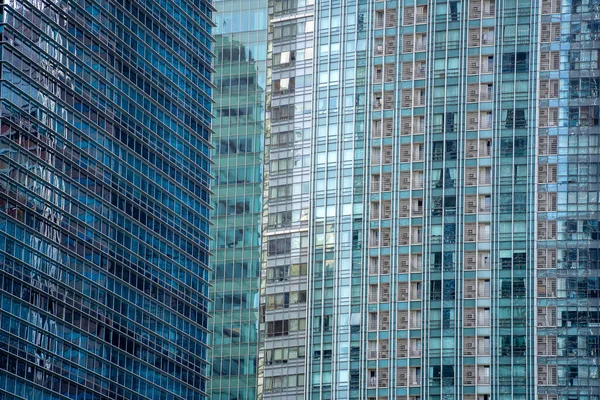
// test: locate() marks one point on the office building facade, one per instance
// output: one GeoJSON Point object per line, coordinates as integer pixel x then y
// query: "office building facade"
{"type": "Point", "coordinates": [239, 125]}
{"type": "Point", "coordinates": [104, 196]}
{"type": "Point", "coordinates": [441, 241]}
{"type": "Point", "coordinates": [288, 161]}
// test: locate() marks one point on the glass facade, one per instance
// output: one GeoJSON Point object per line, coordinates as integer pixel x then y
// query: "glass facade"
{"type": "Point", "coordinates": [105, 162]}
{"type": "Point", "coordinates": [287, 193]}
{"type": "Point", "coordinates": [568, 270]}
{"type": "Point", "coordinates": [445, 243]}
{"type": "Point", "coordinates": [239, 126]}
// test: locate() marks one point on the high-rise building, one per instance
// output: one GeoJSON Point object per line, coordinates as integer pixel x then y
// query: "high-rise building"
{"type": "Point", "coordinates": [104, 198]}
{"type": "Point", "coordinates": [240, 64]}
{"type": "Point", "coordinates": [431, 221]}
{"type": "Point", "coordinates": [287, 200]}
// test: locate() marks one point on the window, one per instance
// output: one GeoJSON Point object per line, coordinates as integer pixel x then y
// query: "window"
{"type": "Point", "coordinates": [278, 328]}
{"type": "Point", "coordinates": [284, 85]}
{"type": "Point", "coordinates": [279, 246]}
{"type": "Point", "coordinates": [515, 62]}
{"type": "Point", "coordinates": [515, 118]}
{"type": "Point", "coordinates": [554, 6]}
{"type": "Point", "coordinates": [550, 61]}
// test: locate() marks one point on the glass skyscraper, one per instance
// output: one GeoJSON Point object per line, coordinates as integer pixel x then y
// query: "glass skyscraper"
{"type": "Point", "coordinates": [239, 127]}
{"type": "Point", "coordinates": [431, 200]}
{"type": "Point", "coordinates": [287, 199]}
{"type": "Point", "coordinates": [105, 162]}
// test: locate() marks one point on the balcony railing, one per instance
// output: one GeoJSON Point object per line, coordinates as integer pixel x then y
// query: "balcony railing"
{"type": "Point", "coordinates": [415, 381]}
{"type": "Point", "coordinates": [421, 47]}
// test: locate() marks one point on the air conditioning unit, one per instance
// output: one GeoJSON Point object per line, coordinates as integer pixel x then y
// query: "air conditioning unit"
{"type": "Point", "coordinates": [407, 71]}
{"type": "Point", "coordinates": [385, 265]}
{"type": "Point", "coordinates": [474, 37]}
{"type": "Point", "coordinates": [409, 15]}
{"type": "Point", "coordinates": [390, 18]}
{"type": "Point", "coordinates": [473, 67]}
{"type": "Point", "coordinates": [388, 127]}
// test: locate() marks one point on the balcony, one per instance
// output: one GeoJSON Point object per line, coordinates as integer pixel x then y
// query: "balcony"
{"type": "Point", "coordinates": [484, 350]}
{"type": "Point", "coordinates": [415, 381]}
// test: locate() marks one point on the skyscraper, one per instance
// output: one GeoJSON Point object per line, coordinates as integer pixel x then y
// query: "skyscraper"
{"type": "Point", "coordinates": [104, 199]}
{"type": "Point", "coordinates": [239, 126]}
{"type": "Point", "coordinates": [287, 200]}
{"type": "Point", "coordinates": [435, 234]}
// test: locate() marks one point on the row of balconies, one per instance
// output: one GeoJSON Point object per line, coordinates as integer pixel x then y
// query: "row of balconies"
{"type": "Point", "coordinates": [404, 348]}
{"type": "Point", "coordinates": [478, 36]}
{"type": "Point", "coordinates": [411, 376]}
{"type": "Point", "coordinates": [385, 154]}
{"type": "Point", "coordinates": [473, 232]}
{"type": "Point", "coordinates": [419, 14]}
{"type": "Point", "coordinates": [483, 64]}
{"type": "Point", "coordinates": [382, 182]}
{"type": "Point", "coordinates": [405, 320]}
{"type": "Point", "coordinates": [547, 145]}
{"type": "Point", "coordinates": [381, 265]}
{"type": "Point", "coordinates": [416, 124]}
{"type": "Point", "coordinates": [474, 204]}
{"type": "Point", "coordinates": [473, 317]}
{"type": "Point", "coordinates": [473, 289]}
{"type": "Point", "coordinates": [472, 260]}
{"type": "Point", "coordinates": [548, 346]}
{"type": "Point", "coordinates": [412, 125]}
{"type": "Point", "coordinates": [417, 42]}
{"type": "Point", "coordinates": [405, 376]}
{"type": "Point", "coordinates": [415, 152]}
{"type": "Point", "coordinates": [475, 120]}
{"type": "Point", "coordinates": [386, 100]}
{"type": "Point", "coordinates": [473, 176]}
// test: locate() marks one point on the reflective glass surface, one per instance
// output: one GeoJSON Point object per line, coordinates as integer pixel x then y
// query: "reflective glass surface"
{"type": "Point", "coordinates": [105, 144]}
{"type": "Point", "coordinates": [450, 221]}
{"type": "Point", "coordinates": [239, 127]}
